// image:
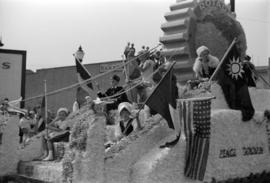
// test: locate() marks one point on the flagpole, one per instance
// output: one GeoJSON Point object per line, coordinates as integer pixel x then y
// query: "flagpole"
{"type": "Point", "coordinates": [137, 117]}
{"type": "Point", "coordinates": [46, 108]}
{"type": "Point", "coordinates": [222, 60]}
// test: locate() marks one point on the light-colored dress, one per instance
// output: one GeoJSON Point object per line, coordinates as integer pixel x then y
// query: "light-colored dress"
{"type": "Point", "coordinates": [146, 75]}
{"type": "Point", "coordinates": [203, 69]}
{"type": "Point", "coordinates": [58, 124]}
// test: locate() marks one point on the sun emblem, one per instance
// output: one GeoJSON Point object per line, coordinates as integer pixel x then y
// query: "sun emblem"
{"type": "Point", "coordinates": [235, 68]}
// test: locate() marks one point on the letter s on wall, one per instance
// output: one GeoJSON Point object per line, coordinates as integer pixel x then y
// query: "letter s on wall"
{"type": "Point", "coordinates": [5, 65]}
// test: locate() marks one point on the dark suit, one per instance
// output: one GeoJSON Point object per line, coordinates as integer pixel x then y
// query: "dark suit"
{"type": "Point", "coordinates": [112, 91]}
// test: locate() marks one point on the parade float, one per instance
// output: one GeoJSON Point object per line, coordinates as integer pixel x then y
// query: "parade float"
{"type": "Point", "coordinates": [233, 150]}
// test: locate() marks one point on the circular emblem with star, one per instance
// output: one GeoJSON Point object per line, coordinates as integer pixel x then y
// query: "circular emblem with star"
{"type": "Point", "coordinates": [235, 68]}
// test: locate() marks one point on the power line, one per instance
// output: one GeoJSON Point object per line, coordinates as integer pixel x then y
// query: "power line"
{"type": "Point", "coordinates": [88, 80]}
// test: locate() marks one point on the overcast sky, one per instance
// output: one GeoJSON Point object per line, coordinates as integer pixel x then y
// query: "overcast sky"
{"type": "Point", "coordinates": [51, 30]}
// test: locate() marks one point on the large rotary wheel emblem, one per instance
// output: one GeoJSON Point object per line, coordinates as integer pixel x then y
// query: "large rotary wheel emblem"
{"type": "Point", "coordinates": [235, 68]}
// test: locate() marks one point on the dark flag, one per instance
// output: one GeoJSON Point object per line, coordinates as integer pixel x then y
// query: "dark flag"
{"type": "Point", "coordinates": [232, 79]}
{"type": "Point", "coordinates": [83, 75]}
{"type": "Point", "coordinates": [43, 103]}
{"type": "Point", "coordinates": [163, 98]}
{"type": "Point", "coordinates": [42, 107]}
{"type": "Point", "coordinates": [42, 123]}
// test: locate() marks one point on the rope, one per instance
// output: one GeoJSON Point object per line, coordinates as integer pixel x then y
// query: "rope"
{"type": "Point", "coordinates": [90, 79]}
{"type": "Point", "coordinates": [140, 82]}
{"type": "Point", "coordinates": [132, 87]}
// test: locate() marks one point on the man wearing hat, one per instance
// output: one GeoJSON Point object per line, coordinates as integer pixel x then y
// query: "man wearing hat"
{"type": "Point", "coordinates": [113, 91]}
{"type": "Point", "coordinates": [205, 64]}
{"type": "Point", "coordinates": [250, 71]}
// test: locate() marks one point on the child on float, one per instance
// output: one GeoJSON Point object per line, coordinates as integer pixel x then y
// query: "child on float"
{"type": "Point", "coordinates": [128, 122]}
{"type": "Point", "coordinates": [27, 124]}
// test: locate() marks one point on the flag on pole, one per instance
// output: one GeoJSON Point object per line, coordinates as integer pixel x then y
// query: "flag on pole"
{"type": "Point", "coordinates": [83, 75]}
{"type": "Point", "coordinates": [42, 123]}
{"type": "Point", "coordinates": [232, 79]}
{"type": "Point", "coordinates": [195, 117]}
{"type": "Point", "coordinates": [163, 98]}
{"type": "Point", "coordinates": [42, 106]}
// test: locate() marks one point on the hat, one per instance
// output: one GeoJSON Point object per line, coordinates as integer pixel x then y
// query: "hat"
{"type": "Point", "coordinates": [116, 78]}
{"type": "Point", "coordinates": [62, 109]}
{"type": "Point", "coordinates": [124, 105]}
{"type": "Point", "coordinates": [201, 49]}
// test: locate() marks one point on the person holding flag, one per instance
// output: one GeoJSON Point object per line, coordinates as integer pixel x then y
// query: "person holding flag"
{"type": "Point", "coordinates": [205, 64]}
{"type": "Point", "coordinates": [113, 91]}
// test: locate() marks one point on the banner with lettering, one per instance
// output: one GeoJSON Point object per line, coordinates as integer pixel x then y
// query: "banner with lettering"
{"type": "Point", "coordinates": [12, 74]}
{"type": "Point", "coordinates": [237, 148]}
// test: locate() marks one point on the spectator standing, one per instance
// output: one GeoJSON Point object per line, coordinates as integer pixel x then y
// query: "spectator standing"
{"type": "Point", "coordinates": [27, 124]}
{"type": "Point", "coordinates": [126, 51]}
{"type": "Point", "coordinates": [4, 106]}
{"type": "Point", "coordinates": [250, 70]}
{"type": "Point", "coordinates": [131, 52]}
{"type": "Point", "coordinates": [141, 55]}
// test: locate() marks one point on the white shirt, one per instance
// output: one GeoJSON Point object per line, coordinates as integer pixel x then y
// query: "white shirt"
{"type": "Point", "coordinates": [146, 75]}
{"type": "Point", "coordinates": [26, 123]}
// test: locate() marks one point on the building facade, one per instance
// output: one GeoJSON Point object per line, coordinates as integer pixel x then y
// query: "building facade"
{"type": "Point", "coordinates": [61, 77]}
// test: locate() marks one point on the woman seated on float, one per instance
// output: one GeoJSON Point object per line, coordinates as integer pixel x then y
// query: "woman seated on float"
{"type": "Point", "coordinates": [128, 122]}
{"type": "Point", "coordinates": [205, 64]}
{"type": "Point", "coordinates": [58, 131]}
